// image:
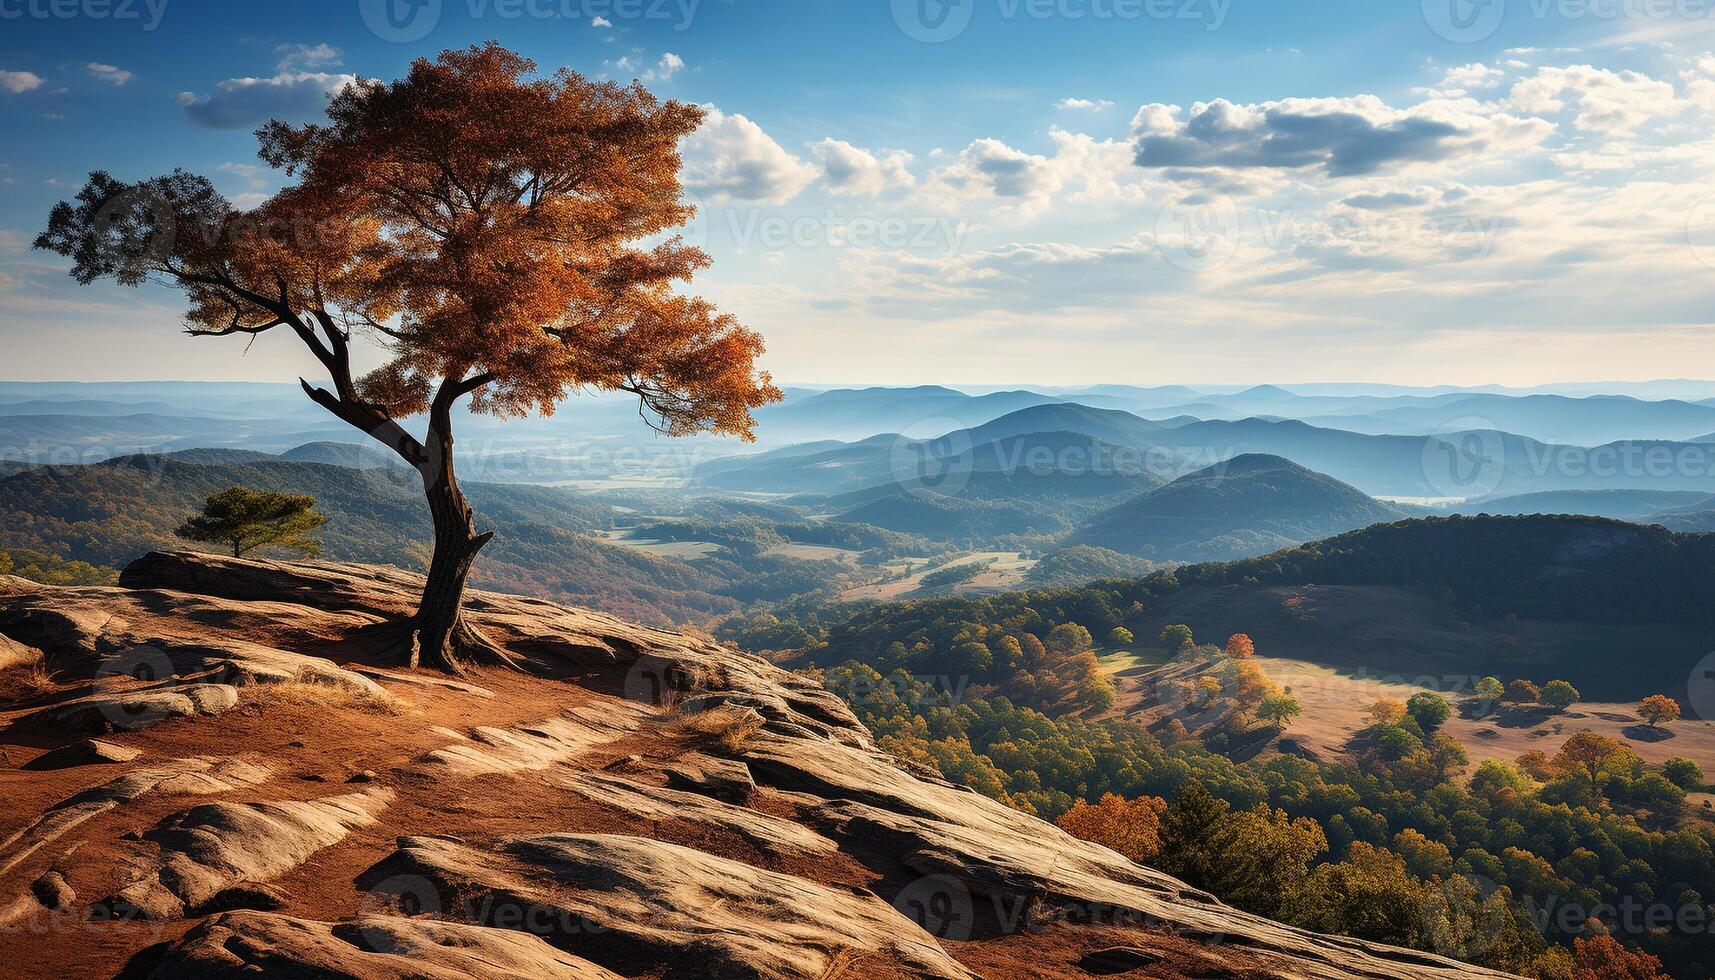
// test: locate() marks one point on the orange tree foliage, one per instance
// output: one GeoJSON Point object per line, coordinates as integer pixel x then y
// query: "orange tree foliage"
{"type": "Point", "coordinates": [1131, 827]}
{"type": "Point", "coordinates": [1603, 958]}
{"type": "Point", "coordinates": [502, 235]}
{"type": "Point", "coordinates": [1240, 646]}
{"type": "Point", "coordinates": [1658, 709]}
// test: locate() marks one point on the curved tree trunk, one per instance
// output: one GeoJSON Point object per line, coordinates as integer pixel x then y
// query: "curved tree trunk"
{"type": "Point", "coordinates": [443, 639]}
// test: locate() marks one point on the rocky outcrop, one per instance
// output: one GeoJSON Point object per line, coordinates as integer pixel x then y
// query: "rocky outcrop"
{"type": "Point", "coordinates": [245, 945]}
{"type": "Point", "coordinates": [210, 849]}
{"type": "Point", "coordinates": [684, 911]}
{"type": "Point", "coordinates": [635, 802]}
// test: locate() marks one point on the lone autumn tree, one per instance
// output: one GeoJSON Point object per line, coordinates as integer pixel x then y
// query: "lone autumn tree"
{"type": "Point", "coordinates": [245, 519]}
{"type": "Point", "coordinates": [503, 237]}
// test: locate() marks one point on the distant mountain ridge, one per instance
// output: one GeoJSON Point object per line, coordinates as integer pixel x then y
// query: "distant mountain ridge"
{"type": "Point", "coordinates": [1247, 505]}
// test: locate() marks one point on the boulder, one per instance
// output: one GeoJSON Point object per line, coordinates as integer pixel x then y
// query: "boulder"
{"type": "Point", "coordinates": [138, 708]}
{"type": "Point", "coordinates": [15, 654]}
{"type": "Point", "coordinates": [89, 752]}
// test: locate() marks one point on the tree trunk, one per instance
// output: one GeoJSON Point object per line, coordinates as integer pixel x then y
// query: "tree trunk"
{"type": "Point", "coordinates": [442, 638]}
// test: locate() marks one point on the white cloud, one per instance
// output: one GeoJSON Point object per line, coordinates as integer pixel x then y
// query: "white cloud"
{"type": "Point", "coordinates": [851, 170]}
{"type": "Point", "coordinates": [730, 158]}
{"type": "Point", "coordinates": [634, 65]}
{"type": "Point", "coordinates": [306, 57]}
{"type": "Point", "coordinates": [1340, 137]}
{"type": "Point", "coordinates": [1463, 79]}
{"type": "Point", "coordinates": [1610, 102]}
{"type": "Point", "coordinates": [19, 81]}
{"type": "Point", "coordinates": [107, 73]}
{"type": "Point", "coordinates": [1084, 105]}
{"type": "Point", "coordinates": [990, 168]}
{"type": "Point", "coordinates": [601, 22]}
{"type": "Point", "coordinates": [240, 102]}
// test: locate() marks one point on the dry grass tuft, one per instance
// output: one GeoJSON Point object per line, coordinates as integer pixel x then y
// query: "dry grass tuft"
{"type": "Point", "coordinates": [319, 695]}
{"type": "Point", "coordinates": [26, 682]}
{"type": "Point", "coordinates": [727, 726]}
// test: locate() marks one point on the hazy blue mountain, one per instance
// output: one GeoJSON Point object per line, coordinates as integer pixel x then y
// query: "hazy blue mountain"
{"type": "Point", "coordinates": [928, 410]}
{"type": "Point", "coordinates": [1626, 505]}
{"type": "Point", "coordinates": [346, 454]}
{"type": "Point", "coordinates": [1248, 505]}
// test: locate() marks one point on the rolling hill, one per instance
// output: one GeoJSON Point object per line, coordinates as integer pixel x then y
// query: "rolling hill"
{"type": "Point", "coordinates": [1248, 505]}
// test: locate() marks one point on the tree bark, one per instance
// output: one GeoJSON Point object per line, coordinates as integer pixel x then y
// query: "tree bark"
{"type": "Point", "coordinates": [443, 639]}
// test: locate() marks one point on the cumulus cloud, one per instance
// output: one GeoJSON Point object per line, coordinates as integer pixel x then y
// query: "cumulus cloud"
{"type": "Point", "coordinates": [851, 170]}
{"type": "Point", "coordinates": [19, 81]}
{"type": "Point", "coordinates": [240, 102]}
{"type": "Point", "coordinates": [601, 22]}
{"type": "Point", "coordinates": [730, 158]}
{"type": "Point", "coordinates": [306, 57]}
{"type": "Point", "coordinates": [1342, 137]}
{"type": "Point", "coordinates": [1608, 102]}
{"type": "Point", "coordinates": [1465, 79]}
{"type": "Point", "coordinates": [989, 167]}
{"type": "Point", "coordinates": [107, 73]}
{"type": "Point", "coordinates": [1084, 105]}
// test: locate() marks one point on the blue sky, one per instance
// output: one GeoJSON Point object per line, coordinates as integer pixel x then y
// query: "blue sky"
{"type": "Point", "coordinates": [999, 191]}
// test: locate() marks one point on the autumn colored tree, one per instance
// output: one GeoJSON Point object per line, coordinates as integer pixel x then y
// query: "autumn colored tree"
{"type": "Point", "coordinates": [1131, 827]}
{"type": "Point", "coordinates": [1240, 646]}
{"type": "Point", "coordinates": [1559, 695]}
{"type": "Point", "coordinates": [1119, 636]}
{"type": "Point", "coordinates": [244, 520]}
{"type": "Point", "coordinates": [1658, 709]}
{"type": "Point", "coordinates": [1522, 691]}
{"type": "Point", "coordinates": [1585, 754]}
{"type": "Point", "coordinates": [1069, 640]}
{"type": "Point", "coordinates": [1387, 711]}
{"type": "Point", "coordinates": [1603, 958]}
{"type": "Point", "coordinates": [501, 235]}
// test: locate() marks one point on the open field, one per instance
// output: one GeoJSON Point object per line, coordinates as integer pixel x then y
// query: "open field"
{"type": "Point", "coordinates": [1007, 571]}
{"type": "Point", "coordinates": [684, 550]}
{"type": "Point", "coordinates": [813, 552]}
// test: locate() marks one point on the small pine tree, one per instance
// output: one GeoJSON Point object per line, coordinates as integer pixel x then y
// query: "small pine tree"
{"type": "Point", "coordinates": [246, 519]}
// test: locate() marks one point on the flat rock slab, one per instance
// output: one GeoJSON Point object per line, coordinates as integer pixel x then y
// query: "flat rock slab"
{"type": "Point", "coordinates": [206, 850]}
{"type": "Point", "coordinates": [195, 776]}
{"type": "Point", "coordinates": [419, 680]}
{"type": "Point", "coordinates": [245, 945]}
{"type": "Point", "coordinates": [723, 779]}
{"type": "Point", "coordinates": [533, 746]}
{"type": "Point", "coordinates": [766, 833]}
{"type": "Point", "coordinates": [89, 752]}
{"type": "Point", "coordinates": [132, 710]}
{"type": "Point", "coordinates": [638, 900]}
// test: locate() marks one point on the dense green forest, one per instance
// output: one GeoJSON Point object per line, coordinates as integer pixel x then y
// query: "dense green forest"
{"type": "Point", "coordinates": [1401, 841]}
